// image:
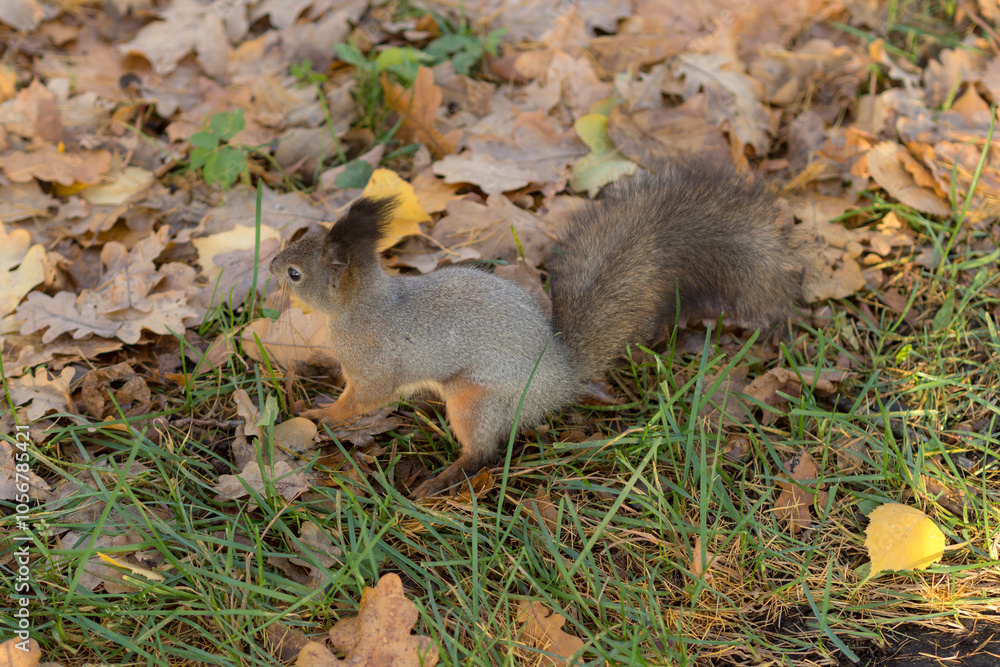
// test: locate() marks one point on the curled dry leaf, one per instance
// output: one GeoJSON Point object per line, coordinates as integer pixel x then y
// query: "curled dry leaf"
{"type": "Point", "coordinates": [379, 636]}
{"type": "Point", "coordinates": [246, 409]}
{"type": "Point", "coordinates": [120, 381]}
{"type": "Point", "coordinates": [295, 435]}
{"type": "Point", "coordinates": [900, 537]}
{"type": "Point", "coordinates": [701, 560]}
{"type": "Point", "coordinates": [795, 499]}
{"type": "Point", "coordinates": [885, 161]}
{"type": "Point", "coordinates": [542, 630]}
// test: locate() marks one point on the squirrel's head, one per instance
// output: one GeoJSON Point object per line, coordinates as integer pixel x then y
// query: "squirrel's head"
{"type": "Point", "coordinates": [322, 269]}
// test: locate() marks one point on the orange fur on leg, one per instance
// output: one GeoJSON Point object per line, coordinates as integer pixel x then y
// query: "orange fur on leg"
{"type": "Point", "coordinates": [465, 402]}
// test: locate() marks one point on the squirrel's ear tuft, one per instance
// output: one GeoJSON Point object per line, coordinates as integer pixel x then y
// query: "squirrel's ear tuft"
{"type": "Point", "coordinates": [365, 223]}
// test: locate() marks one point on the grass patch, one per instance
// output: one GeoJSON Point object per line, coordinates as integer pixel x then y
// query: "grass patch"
{"type": "Point", "coordinates": [630, 520]}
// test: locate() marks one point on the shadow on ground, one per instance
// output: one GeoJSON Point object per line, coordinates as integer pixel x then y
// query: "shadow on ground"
{"type": "Point", "coordinates": [915, 646]}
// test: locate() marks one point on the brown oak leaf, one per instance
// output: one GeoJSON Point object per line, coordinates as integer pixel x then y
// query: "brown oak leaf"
{"type": "Point", "coordinates": [48, 163]}
{"type": "Point", "coordinates": [379, 636]}
{"type": "Point", "coordinates": [543, 630]}
{"type": "Point", "coordinates": [418, 106]}
{"type": "Point", "coordinates": [46, 393]}
{"type": "Point", "coordinates": [124, 303]}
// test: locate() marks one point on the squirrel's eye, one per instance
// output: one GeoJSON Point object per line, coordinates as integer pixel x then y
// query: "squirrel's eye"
{"type": "Point", "coordinates": [294, 275]}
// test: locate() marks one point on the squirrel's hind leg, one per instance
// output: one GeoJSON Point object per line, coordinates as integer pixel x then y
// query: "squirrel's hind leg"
{"type": "Point", "coordinates": [475, 415]}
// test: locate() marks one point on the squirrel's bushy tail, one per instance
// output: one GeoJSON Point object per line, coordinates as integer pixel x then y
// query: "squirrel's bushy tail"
{"type": "Point", "coordinates": [695, 233]}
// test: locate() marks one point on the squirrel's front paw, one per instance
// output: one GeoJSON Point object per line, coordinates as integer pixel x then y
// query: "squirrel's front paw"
{"type": "Point", "coordinates": [329, 415]}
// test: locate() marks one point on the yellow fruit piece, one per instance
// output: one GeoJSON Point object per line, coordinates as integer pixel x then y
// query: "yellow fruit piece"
{"type": "Point", "coordinates": [409, 213]}
{"type": "Point", "coordinates": [900, 537]}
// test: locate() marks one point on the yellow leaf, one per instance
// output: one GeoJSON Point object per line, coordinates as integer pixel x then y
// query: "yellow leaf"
{"type": "Point", "coordinates": [409, 213]}
{"type": "Point", "coordinates": [240, 237]}
{"type": "Point", "coordinates": [22, 267]}
{"type": "Point", "coordinates": [68, 190]}
{"type": "Point", "coordinates": [900, 537]}
{"type": "Point", "coordinates": [151, 575]}
{"type": "Point", "coordinates": [605, 162]}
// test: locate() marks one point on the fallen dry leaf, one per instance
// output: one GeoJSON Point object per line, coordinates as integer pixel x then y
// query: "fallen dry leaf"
{"type": "Point", "coordinates": [294, 338]}
{"type": "Point", "coordinates": [25, 201]}
{"type": "Point", "coordinates": [284, 642]}
{"type": "Point", "coordinates": [121, 382]}
{"type": "Point", "coordinates": [295, 435]}
{"type": "Point", "coordinates": [47, 393]}
{"type": "Point", "coordinates": [22, 15]}
{"type": "Point", "coordinates": [133, 294]}
{"type": "Point", "coordinates": [287, 483]}
{"type": "Point", "coordinates": [547, 511]}
{"type": "Point", "coordinates": [379, 636]}
{"type": "Point", "coordinates": [605, 163]}
{"type": "Point", "coordinates": [886, 166]}
{"type": "Point", "coordinates": [18, 652]}
{"type": "Point", "coordinates": [646, 135]}
{"type": "Point", "coordinates": [794, 501]}
{"type": "Point", "coordinates": [487, 229]}
{"type": "Point", "coordinates": [118, 186]}
{"type": "Point", "coordinates": [432, 192]}
{"type": "Point", "coordinates": [418, 106]}
{"type": "Point", "coordinates": [12, 480]}
{"type": "Point", "coordinates": [187, 26]}
{"type": "Point", "coordinates": [485, 171]}
{"type": "Point", "coordinates": [733, 96]}
{"type": "Point", "coordinates": [542, 630]}
{"type": "Point", "coordinates": [701, 560]}
{"type": "Point", "coordinates": [48, 163]}
{"type": "Point", "coordinates": [361, 429]}
{"type": "Point", "coordinates": [316, 544]}
{"type": "Point", "coordinates": [22, 267]}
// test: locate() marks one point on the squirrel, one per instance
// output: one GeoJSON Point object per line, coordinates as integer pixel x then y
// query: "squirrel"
{"type": "Point", "coordinates": [689, 239]}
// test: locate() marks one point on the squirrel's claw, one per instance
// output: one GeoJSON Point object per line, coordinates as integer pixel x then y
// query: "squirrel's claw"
{"type": "Point", "coordinates": [450, 480]}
